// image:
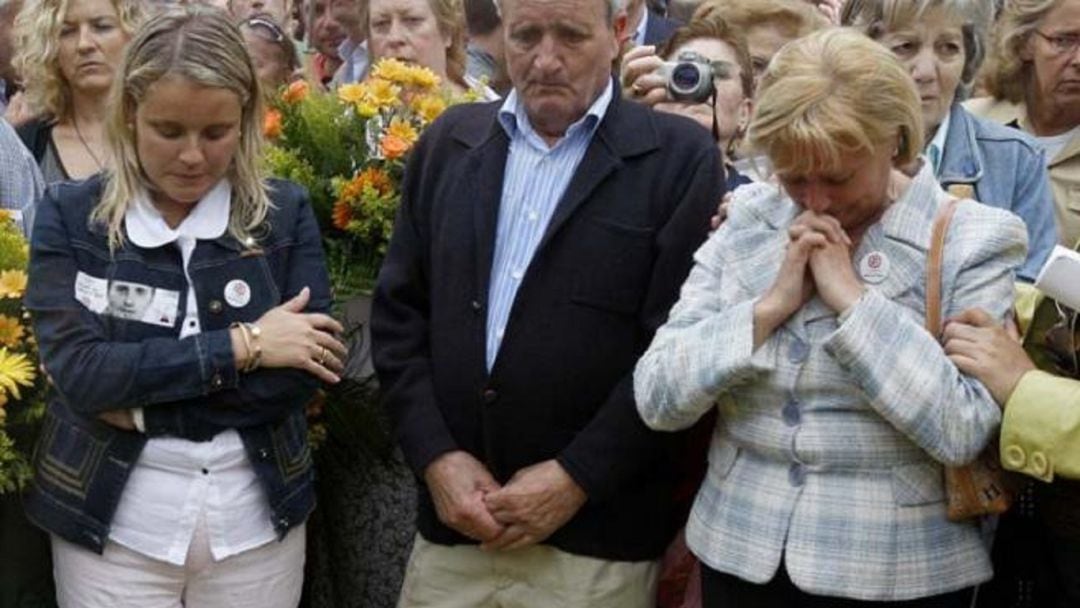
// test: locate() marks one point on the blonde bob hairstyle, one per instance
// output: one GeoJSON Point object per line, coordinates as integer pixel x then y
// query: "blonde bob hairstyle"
{"type": "Point", "coordinates": [200, 44]}
{"type": "Point", "coordinates": [793, 18]}
{"type": "Point", "coordinates": [1007, 76]}
{"type": "Point", "coordinates": [831, 93]}
{"type": "Point", "coordinates": [36, 35]}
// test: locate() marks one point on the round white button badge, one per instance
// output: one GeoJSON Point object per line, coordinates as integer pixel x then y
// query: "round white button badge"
{"type": "Point", "coordinates": [237, 293]}
{"type": "Point", "coordinates": [874, 267]}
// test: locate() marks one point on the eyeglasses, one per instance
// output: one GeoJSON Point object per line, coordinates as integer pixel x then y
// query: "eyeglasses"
{"type": "Point", "coordinates": [275, 31]}
{"type": "Point", "coordinates": [1062, 44]}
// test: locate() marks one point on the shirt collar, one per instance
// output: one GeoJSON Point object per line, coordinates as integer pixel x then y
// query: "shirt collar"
{"type": "Point", "coordinates": [208, 219]}
{"type": "Point", "coordinates": [936, 149]}
{"type": "Point", "coordinates": [350, 50]}
{"type": "Point", "coordinates": [515, 121]}
{"type": "Point", "coordinates": [639, 33]}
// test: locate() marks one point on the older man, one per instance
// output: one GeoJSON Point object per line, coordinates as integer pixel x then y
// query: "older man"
{"type": "Point", "coordinates": [540, 242]}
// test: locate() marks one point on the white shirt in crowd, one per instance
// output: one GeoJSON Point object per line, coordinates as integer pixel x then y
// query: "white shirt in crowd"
{"type": "Point", "coordinates": [175, 481]}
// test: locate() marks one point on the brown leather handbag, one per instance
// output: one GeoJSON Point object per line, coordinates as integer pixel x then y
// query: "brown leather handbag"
{"type": "Point", "coordinates": [978, 488]}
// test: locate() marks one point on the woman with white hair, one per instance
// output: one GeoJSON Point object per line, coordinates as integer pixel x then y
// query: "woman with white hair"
{"type": "Point", "coordinates": [942, 43]}
{"type": "Point", "coordinates": [1033, 77]}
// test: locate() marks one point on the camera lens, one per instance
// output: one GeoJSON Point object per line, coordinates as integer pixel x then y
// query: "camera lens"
{"type": "Point", "coordinates": [685, 77]}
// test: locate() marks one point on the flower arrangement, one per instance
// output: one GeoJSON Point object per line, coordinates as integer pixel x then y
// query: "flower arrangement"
{"type": "Point", "coordinates": [348, 148]}
{"type": "Point", "coordinates": [22, 388]}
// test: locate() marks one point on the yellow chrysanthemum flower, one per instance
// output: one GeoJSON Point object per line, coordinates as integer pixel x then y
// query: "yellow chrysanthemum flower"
{"type": "Point", "coordinates": [11, 331]}
{"type": "Point", "coordinates": [403, 129]}
{"type": "Point", "coordinates": [391, 69]}
{"type": "Point", "coordinates": [366, 110]}
{"type": "Point", "coordinates": [429, 107]}
{"type": "Point", "coordinates": [383, 93]}
{"type": "Point", "coordinates": [12, 283]}
{"type": "Point", "coordinates": [15, 371]}
{"type": "Point", "coordinates": [423, 78]}
{"type": "Point", "coordinates": [352, 93]}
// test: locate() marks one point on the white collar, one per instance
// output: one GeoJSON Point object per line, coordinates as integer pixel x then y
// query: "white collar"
{"type": "Point", "coordinates": [209, 218]}
{"type": "Point", "coordinates": [639, 33]}
{"type": "Point", "coordinates": [939, 142]}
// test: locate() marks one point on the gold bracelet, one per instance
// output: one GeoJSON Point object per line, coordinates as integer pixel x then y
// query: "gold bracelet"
{"type": "Point", "coordinates": [245, 335]}
{"type": "Point", "coordinates": [256, 335]}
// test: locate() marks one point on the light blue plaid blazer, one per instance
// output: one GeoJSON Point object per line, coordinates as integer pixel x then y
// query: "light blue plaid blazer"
{"type": "Point", "coordinates": [829, 443]}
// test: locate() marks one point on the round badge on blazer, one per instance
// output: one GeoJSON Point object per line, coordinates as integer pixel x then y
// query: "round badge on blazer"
{"type": "Point", "coordinates": [237, 293]}
{"type": "Point", "coordinates": [874, 267]}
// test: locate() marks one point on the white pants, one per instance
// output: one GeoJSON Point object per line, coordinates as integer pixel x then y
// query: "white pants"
{"type": "Point", "coordinates": [539, 576]}
{"type": "Point", "coordinates": [270, 576]}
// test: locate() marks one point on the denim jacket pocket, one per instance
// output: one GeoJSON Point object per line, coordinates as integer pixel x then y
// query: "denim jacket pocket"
{"type": "Point", "coordinates": [291, 450]}
{"type": "Point", "coordinates": [67, 456]}
{"type": "Point", "coordinates": [239, 289]}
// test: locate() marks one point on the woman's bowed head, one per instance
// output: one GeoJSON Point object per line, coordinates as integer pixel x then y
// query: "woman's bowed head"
{"type": "Point", "coordinates": [187, 115]}
{"type": "Point", "coordinates": [839, 118]}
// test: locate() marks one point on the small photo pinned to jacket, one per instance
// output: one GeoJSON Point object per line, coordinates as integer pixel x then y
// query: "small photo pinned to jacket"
{"type": "Point", "coordinates": [129, 301]}
{"type": "Point", "coordinates": [144, 303]}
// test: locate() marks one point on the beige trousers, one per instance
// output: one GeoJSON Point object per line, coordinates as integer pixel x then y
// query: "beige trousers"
{"type": "Point", "coordinates": [534, 577]}
{"type": "Point", "coordinates": [270, 576]}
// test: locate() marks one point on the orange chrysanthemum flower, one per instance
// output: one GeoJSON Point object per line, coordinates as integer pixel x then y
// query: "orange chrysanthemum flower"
{"type": "Point", "coordinates": [11, 331]}
{"type": "Point", "coordinates": [272, 124]}
{"type": "Point", "coordinates": [376, 178]}
{"type": "Point", "coordinates": [296, 92]}
{"type": "Point", "coordinates": [393, 146]}
{"type": "Point", "coordinates": [342, 214]}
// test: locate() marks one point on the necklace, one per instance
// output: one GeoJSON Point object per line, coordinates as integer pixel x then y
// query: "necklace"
{"type": "Point", "coordinates": [82, 140]}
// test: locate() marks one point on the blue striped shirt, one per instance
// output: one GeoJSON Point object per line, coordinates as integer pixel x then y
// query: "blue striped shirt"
{"type": "Point", "coordinates": [535, 180]}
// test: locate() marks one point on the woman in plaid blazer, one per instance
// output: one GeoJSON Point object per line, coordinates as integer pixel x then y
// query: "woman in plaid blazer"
{"type": "Point", "coordinates": [802, 321]}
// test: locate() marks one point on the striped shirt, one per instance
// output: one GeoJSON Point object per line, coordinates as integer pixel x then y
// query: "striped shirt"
{"type": "Point", "coordinates": [536, 177]}
{"type": "Point", "coordinates": [20, 179]}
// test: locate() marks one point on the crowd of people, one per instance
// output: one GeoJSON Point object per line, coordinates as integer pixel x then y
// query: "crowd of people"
{"type": "Point", "coordinates": [699, 304]}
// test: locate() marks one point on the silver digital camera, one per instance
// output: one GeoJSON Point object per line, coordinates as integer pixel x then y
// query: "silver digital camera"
{"type": "Point", "coordinates": [690, 78]}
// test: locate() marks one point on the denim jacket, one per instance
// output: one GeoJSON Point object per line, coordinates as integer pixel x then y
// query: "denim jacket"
{"type": "Point", "coordinates": [188, 388]}
{"type": "Point", "coordinates": [1007, 170]}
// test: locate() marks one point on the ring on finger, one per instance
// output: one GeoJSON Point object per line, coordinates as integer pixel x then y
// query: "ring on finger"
{"type": "Point", "coordinates": [322, 356]}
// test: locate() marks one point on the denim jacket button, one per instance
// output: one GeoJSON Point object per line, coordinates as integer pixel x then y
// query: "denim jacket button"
{"type": "Point", "coordinates": [264, 454]}
{"type": "Point", "coordinates": [216, 381]}
{"type": "Point", "coordinates": [796, 475]}
{"type": "Point", "coordinates": [215, 306]}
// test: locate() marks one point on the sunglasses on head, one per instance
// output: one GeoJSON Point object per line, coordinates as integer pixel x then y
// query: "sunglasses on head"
{"type": "Point", "coordinates": [266, 24]}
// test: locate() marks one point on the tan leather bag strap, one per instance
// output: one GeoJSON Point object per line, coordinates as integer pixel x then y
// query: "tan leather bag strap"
{"type": "Point", "coordinates": [933, 266]}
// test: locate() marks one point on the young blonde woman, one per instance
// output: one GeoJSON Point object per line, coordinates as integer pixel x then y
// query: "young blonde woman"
{"type": "Point", "coordinates": [173, 468]}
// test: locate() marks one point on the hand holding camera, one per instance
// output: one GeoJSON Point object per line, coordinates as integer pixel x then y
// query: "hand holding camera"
{"type": "Point", "coordinates": [640, 78]}
{"type": "Point", "coordinates": [688, 79]}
